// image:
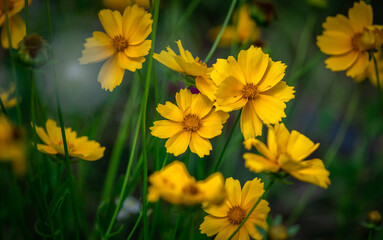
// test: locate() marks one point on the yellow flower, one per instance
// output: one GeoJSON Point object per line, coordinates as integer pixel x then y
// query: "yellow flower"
{"type": "Point", "coordinates": [245, 31]}
{"type": "Point", "coordinates": [174, 184]}
{"type": "Point", "coordinates": [370, 73]}
{"type": "Point", "coordinates": [286, 152]}
{"type": "Point", "coordinates": [5, 97]}
{"type": "Point", "coordinates": [120, 5]}
{"type": "Point", "coordinates": [12, 147]}
{"type": "Point", "coordinates": [192, 123]}
{"type": "Point", "coordinates": [123, 44]}
{"type": "Point", "coordinates": [254, 84]}
{"type": "Point", "coordinates": [186, 64]}
{"type": "Point", "coordinates": [226, 218]}
{"type": "Point", "coordinates": [78, 147]}
{"type": "Point", "coordinates": [348, 40]}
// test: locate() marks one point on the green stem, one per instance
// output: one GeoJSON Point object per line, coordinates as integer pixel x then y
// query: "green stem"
{"type": "Point", "coordinates": [370, 233]}
{"type": "Point", "coordinates": [143, 125]}
{"type": "Point", "coordinates": [252, 209]}
{"type": "Point", "coordinates": [217, 164]}
{"type": "Point", "coordinates": [126, 179]}
{"type": "Point", "coordinates": [378, 81]}
{"type": "Point", "coordinates": [226, 21]}
{"type": "Point", "coordinates": [26, 16]}
{"type": "Point", "coordinates": [61, 120]}
{"type": "Point", "coordinates": [176, 227]}
{"type": "Point", "coordinates": [3, 107]}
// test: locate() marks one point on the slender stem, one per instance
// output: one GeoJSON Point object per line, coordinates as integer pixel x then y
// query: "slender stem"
{"type": "Point", "coordinates": [126, 179]}
{"type": "Point", "coordinates": [3, 107]}
{"type": "Point", "coordinates": [7, 27]}
{"type": "Point", "coordinates": [378, 81]}
{"type": "Point", "coordinates": [252, 209]}
{"type": "Point", "coordinates": [370, 233]}
{"type": "Point", "coordinates": [61, 120]}
{"type": "Point", "coordinates": [26, 16]}
{"type": "Point", "coordinates": [143, 125]}
{"type": "Point", "coordinates": [226, 21]}
{"type": "Point", "coordinates": [217, 164]}
{"type": "Point", "coordinates": [174, 233]}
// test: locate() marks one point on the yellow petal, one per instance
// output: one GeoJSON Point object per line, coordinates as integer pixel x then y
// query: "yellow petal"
{"type": "Point", "coordinates": [314, 172]}
{"type": "Point", "coordinates": [111, 74]}
{"type": "Point", "coordinates": [274, 73]}
{"type": "Point", "coordinates": [217, 210]}
{"type": "Point", "coordinates": [251, 192]}
{"type": "Point", "coordinates": [227, 68]}
{"type": "Point", "coordinates": [341, 62]}
{"type": "Point", "coordinates": [282, 135]}
{"type": "Point", "coordinates": [206, 86]}
{"type": "Point", "coordinates": [360, 15]}
{"type": "Point", "coordinates": [46, 149]}
{"type": "Point", "coordinates": [229, 93]}
{"type": "Point", "coordinates": [257, 163]}
{"type": "Point", "coordinates": [186, 55]}
{"type": "Point", "coordinates": [53, 131]}
{"type": "Point", "coordinates": [233, 190]}
{"type": "Point", "coordinates": [251, 125]}
{"type": "Point", "coordinates": [299, 146]}
{"type": "Point", "coordinates": [43, 135]}
{"type": "Point", "coordinates": [136, 24]}
{"type": "Point", "coordinates": [359, 65]}
{"type": "Point", "coordinates": [178, 143]}
{"type": "Point", "coordinates": [269, 109]}
{"type": "Point", "coordinates": [17, 31]}
{"type": "Point", "coordinates": [201, 106]}
{"type": "Point", "coordinates": [254, 63]}
{"type": "Point", "coordinates": [281, 91]}
{"type": "Point", "coordinates": [167, 59]}
{"type": "Point", "coordinates": [184, 99]}
{"type": "Point", "coordinates": [199, 145]}
{"type": "Point", "coordinates": [129, 63]}
{"type": "Point", "coordinates": [212, 124]}
{"type": "Point", "coordinates": [213, 188]}
{"type": "Point", "coordinates": [334, 43]}
{"type": "Point", "coordinates": [272, 143]}
{"type": "Point", "coordinates": [139, 50]}
{"type": "Point", "coordinates": [339, 24]}
{"type": "Point", "coordinates": [212, 225]}
{"type": "Point", "coordinates": [111, 21]}
{"type": "Point", "coordinates": [226, 233]}
{"type": "Point", "coordinates": [170, 111]}
{"type": "Point", "coordinates": [260, 146]}
{"type": "Point", "coordinates": [97, 48]}
{"type": "Point", "coordinates": [165, 128]}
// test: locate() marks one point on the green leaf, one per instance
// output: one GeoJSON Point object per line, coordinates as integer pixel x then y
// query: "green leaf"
{"type": "Point", "coordinates": [59, 197]}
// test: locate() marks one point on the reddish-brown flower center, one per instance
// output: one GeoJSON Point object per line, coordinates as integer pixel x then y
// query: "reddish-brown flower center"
{"type": "Point", "coordinates": [120, 43]}
{"type": "Point", "coordinates": [190, 189]}
{"type": "Point", "coordinates": [355, 41]}
{"type": "Point", "coordinates": [236, 215]}
{"type": "Point", "coordinates": [250, 91]}
{"type": "Point", "coordinates": [191, 123]}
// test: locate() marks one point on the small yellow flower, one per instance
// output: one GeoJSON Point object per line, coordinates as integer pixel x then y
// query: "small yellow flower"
{"type": "Point", "coordinates": [123, 44]}
{"type": "Point", "coordinates": [186, 64]}
{"type": "Point", "coordinates": [223, 220]}
{"type": "Point", "coordinates": [12, 147]}
{"type": "Point", "coordinates": [370, 73]}
{"type": "Point", "coordinates": [78, 147]}
{"type": "Point", "coordinates": [245, 30]}
{"type": "Point", "coordinates": [5, 96]}
{"type": "Point", "coordinates": [286, 152]}
{"type": "Point", "coordinates": [253, 83]}
{"type": "Point", "coordinates": [175, 185]}
{"type": "Point", "coordinates": [17, 27]}
{"type": "Point", "coordinates": [348, 40]}
{"type": "Point", "coordinates": [192, 123]}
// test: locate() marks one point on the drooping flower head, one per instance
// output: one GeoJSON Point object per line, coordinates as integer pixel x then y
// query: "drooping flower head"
{"type": "Point", "coordinates": [348, 40]}
{"type": "Point", "coordinates": [17, 27]}
{"type": "Point", "coordinates": [223, 220]}
{"type": "Point", "coordinates": [174, 184]}
{"type": "Point", "coordinates": [186, 64]}
{"type": "Point", "coordinates": [370, 72]}
{"type": "Point", "coordinates": [12, 146]}
{"type": "Point", "coordinates": [5, 96]}
{"type": "Point", "coordinates": [253, 84]}
{"type": "Point", "coordinates": [287, 152]}
{"type": "Point", "coordinates": [78, 147]}
{"type": "Point", "coordinates": [123, 44]}
{"type": "Point", "coordinates": [192, 122]}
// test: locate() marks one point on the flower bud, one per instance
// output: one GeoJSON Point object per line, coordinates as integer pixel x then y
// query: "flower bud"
{"type": "Point", "coordinates": [33, 51]}
{"type": "Point", "coordinates": [278, 232]}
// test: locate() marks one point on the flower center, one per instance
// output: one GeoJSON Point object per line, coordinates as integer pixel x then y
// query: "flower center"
{"type": "Point", "coordinates": [190, 189]}
{"type": "Point", "coordinates": [191, 123]}
{"type": "Point", "coordinates": [120, 43]}
{"type": "Point", "coordinates": [355, 41]}
{"type": "Point", "coordinates": [236, 215]}
{"type": "Point", "coordinates": [367, 40]}
{"type": "Point", "coordinates": [69, 145]}
{"type": "Point", "coordinates": [250, 91]}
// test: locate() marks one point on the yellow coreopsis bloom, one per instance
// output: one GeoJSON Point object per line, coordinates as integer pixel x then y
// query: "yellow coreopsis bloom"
{"type": "Point", "coordinates": [123, 44]}
{"type": "Point", "coordinates": [243, 30]}
{"type": "Point", "coordinates": [348, 40]}
{"type": "Point", "coordinates": [78, 147]}
{"type": "Point", "coordinates": [12, 147]}
{"type": "Point", "coordinates": [5, 96]}
{"type": "Point", "coordinates": [286, 152]}
{"type": "Point", "coordinates": [17, 27]}
{"type": "Point", "coordinates": [223, 220]}
{"type": "Point", "coordinates": [186, 64]}
{"type": "Point", "coordinates": [191, 123]}
{"type": "Point", "coordinates": [253, 83]}
{"type": "Point", "coordinates": [174, 184]}
{"type": "Point", "coordinates": [370, 72]}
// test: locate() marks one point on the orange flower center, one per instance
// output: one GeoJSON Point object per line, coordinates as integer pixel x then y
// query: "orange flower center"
{"type": "Point", "coordinates": [236, 215]}
{"type": "Point", "coordinates": [250, 91]}
{"type": "Point", "coordinates": [191, 123]}
{"type": "Point", "coordinates": [120, 43]}
{"type": "Point", "coordinates": [367, 40]}
{"type": "Point", "coordinates": [69, 145]}
{"type": "Point", "coordinates": [190, 189]}
{"type": "Point", "coordinates": [355, 41]}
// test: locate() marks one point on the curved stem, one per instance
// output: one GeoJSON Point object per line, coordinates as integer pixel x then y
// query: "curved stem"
{"type": "Point", "coordinates": [225, 22]}
{"type": "Point", "coordinates": [252, 209]}
{"type": "Point", "coordinates": [217, 164]}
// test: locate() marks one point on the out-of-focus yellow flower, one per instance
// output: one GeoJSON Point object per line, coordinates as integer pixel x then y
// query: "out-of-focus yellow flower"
{"type": "Point", "coordinates": [186, 64]}
{"type": "Point", "coordinates": [348, 40]}
{"type": "Point", "coordinates": [286, 152]}
{"type": "Point", "coordinates": [78, 147]}
{"type": "Point", "coordinates": [12, 147]}
{"type": "Point", "coordinates": [17, 27]}
{"type": "Point", "coordinates": [175, 185]}
{"type": "Point", "coordinates": [191, 123]}
{"type": "Point", "coordinates": [123, 44]}
{"type": "Point", "coordinates": [370, 72]}
{"type": "Point", "coordinates": [120, 5]}
{"type": "Point", "coordinates": [223, 220]}
{"type": "Point", "coordinates": [253, 83]}
{"type": "Point", "coordinates": [243, 30]}
{"type": "Point", "coordinates": [5, 96]}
